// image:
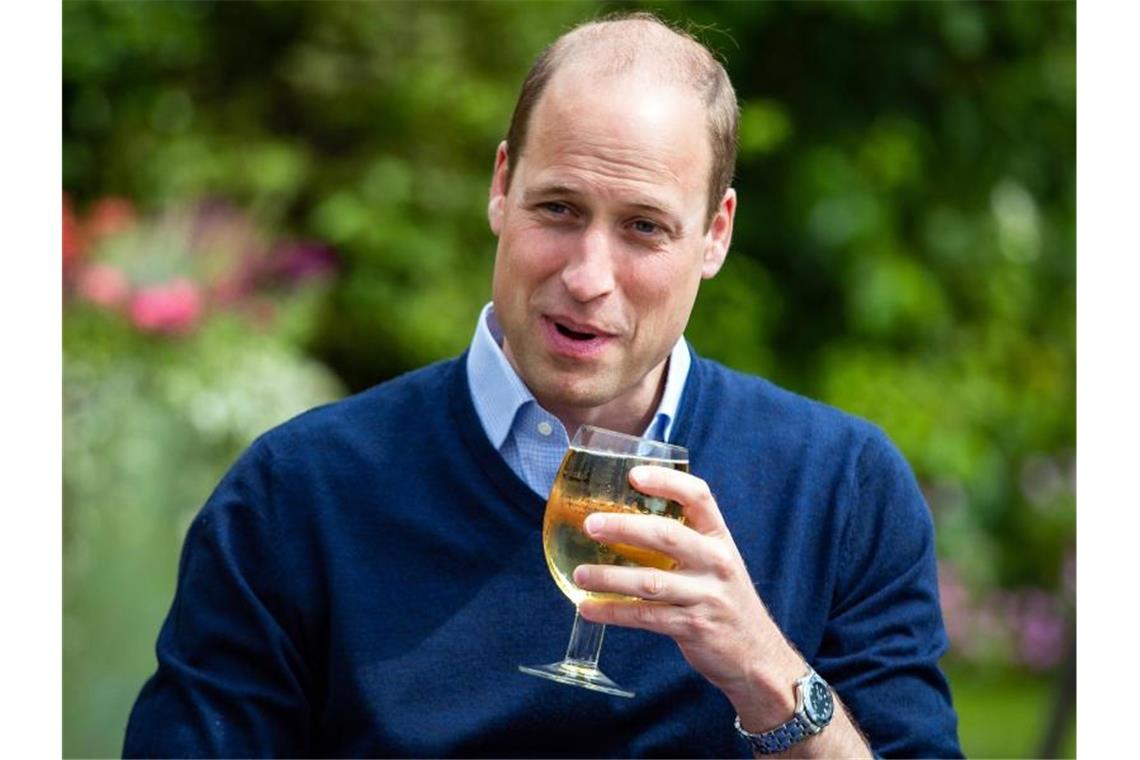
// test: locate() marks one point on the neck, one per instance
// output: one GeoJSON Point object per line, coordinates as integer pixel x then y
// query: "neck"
{"type": "Point", "coordinates": [629, 414]}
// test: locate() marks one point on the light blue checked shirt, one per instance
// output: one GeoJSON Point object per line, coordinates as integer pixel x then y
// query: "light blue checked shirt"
{"type": "Point", "coordinates": [531, 439]}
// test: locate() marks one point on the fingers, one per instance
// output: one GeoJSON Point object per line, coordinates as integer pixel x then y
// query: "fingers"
{"type": "Point", "coordinates": [641, 582]}
{"type": "Point", "coordinates": [653, 532]}
{"type": "Point", "coordinates": [689, 491]}
{"type": "Point", "coordinates": [660, 618]}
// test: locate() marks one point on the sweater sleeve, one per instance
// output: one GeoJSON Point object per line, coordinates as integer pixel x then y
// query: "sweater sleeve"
{"type": "Point", "coordinates": [230, 680]}
{"type": "Point", "coordinates": [885, 635]}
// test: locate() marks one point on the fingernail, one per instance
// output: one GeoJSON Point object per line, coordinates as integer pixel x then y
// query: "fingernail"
{"type": "Point", "coordinates": [595, 523]}
{"type": "Point", "coordinates": [581, 574]}
{"type": "Point", "coordinates": [639, 474]}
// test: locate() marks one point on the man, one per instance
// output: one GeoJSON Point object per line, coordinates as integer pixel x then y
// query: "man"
{"type": "Point", "coordinates": [367, 577]}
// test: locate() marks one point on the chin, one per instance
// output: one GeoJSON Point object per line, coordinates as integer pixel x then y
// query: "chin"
{"type": "Point", "coordinates": [578, 392]}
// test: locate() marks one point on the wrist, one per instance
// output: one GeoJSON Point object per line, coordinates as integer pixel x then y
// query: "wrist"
{"type": "Point", "coordinates": [766, 696]}
{"type": "Point", "coordinates": [815, 706]}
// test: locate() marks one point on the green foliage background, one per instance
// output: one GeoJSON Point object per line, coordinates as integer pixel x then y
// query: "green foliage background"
{"type": "Point", "coordinates": [904, 249]}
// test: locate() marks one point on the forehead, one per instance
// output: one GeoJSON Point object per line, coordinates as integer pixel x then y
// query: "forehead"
{"type": "Point", "coordinates": [620, 132]}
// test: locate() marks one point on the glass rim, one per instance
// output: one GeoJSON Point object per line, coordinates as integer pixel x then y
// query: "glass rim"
{"type": "Point", "coordinates": [669, 452]}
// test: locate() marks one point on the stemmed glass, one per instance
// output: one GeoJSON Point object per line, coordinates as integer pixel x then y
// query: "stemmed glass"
{"type": "Point", "coordinates": [594, 477]}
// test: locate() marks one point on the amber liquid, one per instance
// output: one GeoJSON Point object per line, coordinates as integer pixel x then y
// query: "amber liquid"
{"type": "Point", "coordinates": [589, 482]}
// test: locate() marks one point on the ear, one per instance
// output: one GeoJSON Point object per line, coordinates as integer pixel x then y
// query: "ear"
{"type": "Point", "coordinates": [498, 194]}
{"type": "Point", "coordinates": [719, 236]}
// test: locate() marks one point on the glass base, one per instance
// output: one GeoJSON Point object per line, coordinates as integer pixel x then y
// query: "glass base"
{"type": "Point", "coordinates": [577, 674]}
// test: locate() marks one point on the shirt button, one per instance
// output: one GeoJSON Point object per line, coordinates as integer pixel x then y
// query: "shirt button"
{"type": "Point", "coordinates": [544, 428]}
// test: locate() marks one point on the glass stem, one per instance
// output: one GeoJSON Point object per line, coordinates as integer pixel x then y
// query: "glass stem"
{"type": "Point", "coordinates": [585, 642]}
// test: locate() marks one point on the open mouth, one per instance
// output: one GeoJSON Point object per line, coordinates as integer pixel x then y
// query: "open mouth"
{"type": "Point", "coordinates": [576, 340]}
{"type": "Point", "coordinates": [574, 334]}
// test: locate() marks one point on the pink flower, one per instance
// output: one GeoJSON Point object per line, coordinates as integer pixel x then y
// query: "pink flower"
{"type": "Point", "coordinates": [292, 263]}
{"type": "Point", "coordinates": [102, 285]}
{"type": "Point", "coordinates": [957, 612]}
{"type": "Point", "coordinates": [171, 308]}
{"type": "Point", "coordinates": [1041, 631]}
{"type": "Point", "coordinates": [73, 242]}
{"type": "Point", "coordinates": [110, 216]}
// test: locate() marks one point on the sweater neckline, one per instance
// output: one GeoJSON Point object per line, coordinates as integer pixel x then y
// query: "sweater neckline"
{"type": "Point", "coordinates": [465, 419]}
{"type": "Point", "coordinates": [685, 432]}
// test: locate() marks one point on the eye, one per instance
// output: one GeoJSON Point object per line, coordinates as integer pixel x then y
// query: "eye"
{"type": "Point", "coordinates": [555, 208]}
{"type": "Point", "coordinates": [646, 227]}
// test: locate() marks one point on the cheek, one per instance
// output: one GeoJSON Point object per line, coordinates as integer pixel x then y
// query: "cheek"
{"type": "Point", "coordinates": [523, 261]}
{"type": "Point", "coordinates": [662, 299]}
{"type": "Point", "coordinates": [527, 256]}
{"type": "Point", "coordinates": [666, 291]}
{"type": "Point", "coordinates": [510, 258]}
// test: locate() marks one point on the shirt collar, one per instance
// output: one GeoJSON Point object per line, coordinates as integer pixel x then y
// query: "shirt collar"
{"type": "Point", "coordinates": [496, 389]}
{"type": "Point", "coordinates": [679, 360]}
{"type": "Point", "coordinates": [498, 392]}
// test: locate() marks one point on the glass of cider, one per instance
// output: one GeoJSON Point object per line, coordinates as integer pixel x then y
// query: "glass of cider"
{"type": "Point", "coordinates": [594, 477]}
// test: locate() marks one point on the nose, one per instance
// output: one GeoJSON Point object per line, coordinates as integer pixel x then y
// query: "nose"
{"type": "Point", "coordinates": [589, 274]}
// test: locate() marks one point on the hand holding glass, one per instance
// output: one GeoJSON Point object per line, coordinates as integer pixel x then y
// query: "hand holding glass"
{"type": "Point", "coordinates": [594, 477]}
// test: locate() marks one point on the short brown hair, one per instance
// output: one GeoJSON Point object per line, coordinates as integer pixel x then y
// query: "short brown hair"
{"type": "Point", "coordinates": [679, 53]}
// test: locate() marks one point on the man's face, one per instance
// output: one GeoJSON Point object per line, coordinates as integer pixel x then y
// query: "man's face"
{"type": "Point", "coordinates": [603, 241]}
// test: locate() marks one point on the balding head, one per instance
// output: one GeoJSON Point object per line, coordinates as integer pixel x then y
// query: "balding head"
{"type": "Point", "coordinates": [637, 44]}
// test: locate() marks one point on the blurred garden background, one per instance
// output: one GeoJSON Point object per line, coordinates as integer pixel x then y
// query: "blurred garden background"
{"type": "Point", "coordinates": [269, 205]}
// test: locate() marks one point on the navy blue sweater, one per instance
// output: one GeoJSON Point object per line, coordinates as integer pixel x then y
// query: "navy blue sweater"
{"type": "Point", "coordinates": [367, 577]}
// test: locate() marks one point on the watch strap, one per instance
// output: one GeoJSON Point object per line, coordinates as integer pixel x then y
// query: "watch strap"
{"type": "Point", "coordinates": [779, 739]}
{"type": "Point", "coordinates": [800, 726]}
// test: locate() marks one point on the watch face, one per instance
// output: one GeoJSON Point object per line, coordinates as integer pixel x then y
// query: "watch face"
{"type": "Point", "coordinates": [819, 704]}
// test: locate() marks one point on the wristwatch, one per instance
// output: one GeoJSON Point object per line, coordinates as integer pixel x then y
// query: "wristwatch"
{"type": "Point", "coordinates": [814, 708]}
